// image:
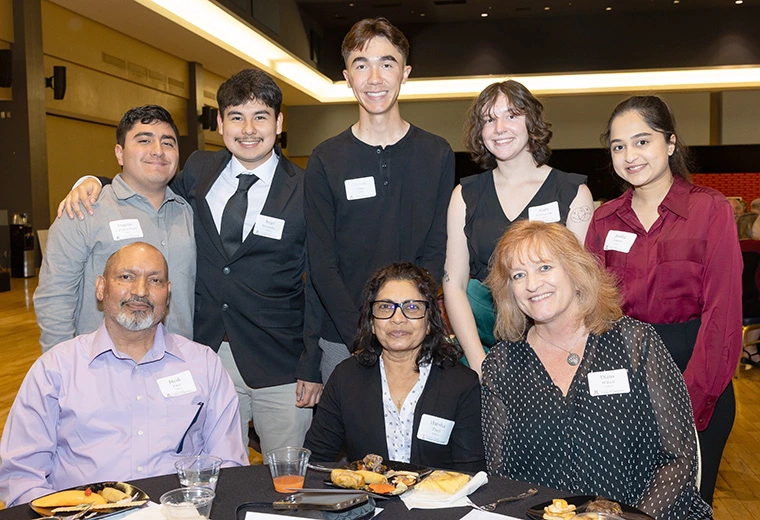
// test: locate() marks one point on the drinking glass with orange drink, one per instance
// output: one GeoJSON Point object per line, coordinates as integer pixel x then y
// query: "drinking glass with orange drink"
{"type": "Point", "coordinates": [288, 467]}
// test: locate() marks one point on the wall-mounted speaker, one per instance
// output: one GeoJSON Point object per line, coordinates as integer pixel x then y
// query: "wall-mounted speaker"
{"type": "Point", "coordinates": [57, 82]}
{"type": "Point", "coordinates": [6, 68]}
{"type": "Point", "coordinates": [207, 118]}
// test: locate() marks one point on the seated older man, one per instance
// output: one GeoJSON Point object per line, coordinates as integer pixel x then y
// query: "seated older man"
{"type": "Point", "coordinates": [124, 402]}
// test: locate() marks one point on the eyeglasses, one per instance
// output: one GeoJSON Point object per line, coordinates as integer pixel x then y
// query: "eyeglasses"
{"type": "Point", "coordinates": [412, 309]}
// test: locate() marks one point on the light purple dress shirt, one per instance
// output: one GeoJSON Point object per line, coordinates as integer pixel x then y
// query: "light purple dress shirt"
{"type": "Point", "coordinates": [88, 413]}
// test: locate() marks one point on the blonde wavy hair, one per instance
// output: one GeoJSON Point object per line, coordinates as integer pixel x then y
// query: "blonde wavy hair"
{"type": "Point", "coordinates": [598, 297]}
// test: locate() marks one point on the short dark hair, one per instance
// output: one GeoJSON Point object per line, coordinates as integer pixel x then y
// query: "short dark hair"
{"type": "Point", "coordinates": [146, 115]}
{"type": "Point", "coordinates": [524, 103]}
{"type": "Point", "coordinates": [436, 348]}
{"type": "Point", "coordinates": [657, 114]}
{"type": "Point", "coordinates": [365, 30]}
{"type": "Point", "coordinates": [249, 85]}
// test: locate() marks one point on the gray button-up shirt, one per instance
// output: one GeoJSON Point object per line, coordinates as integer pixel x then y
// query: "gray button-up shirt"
{"type": "Point", "coordinates": [77, 251]}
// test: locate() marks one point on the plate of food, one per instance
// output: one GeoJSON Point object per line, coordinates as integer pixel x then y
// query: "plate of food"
{"type": "Point", "coordinates": [372, 474]}
{"type": "Point", "coordinates": [108, 498]}
{"type": "Point", "coordinates": [570, 507]}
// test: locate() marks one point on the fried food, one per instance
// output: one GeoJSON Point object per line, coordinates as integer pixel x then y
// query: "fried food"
{"type": "Point", "coordinates": [559, 510]}
{"type": "Point", "coordinates": [347, 479]}
{"type": "Point", "coordinates": [448, 482]}
{"type": "Point", "coordinates": [113, 494]}
{"type": "Point", "coordinates": [72, 497]}
{"type": "Point", "coordinates": [601, 505]}
{"type": "Point", "coordinates": [371, 477]}
{"type": "Point", "coordinates": [373, 462]}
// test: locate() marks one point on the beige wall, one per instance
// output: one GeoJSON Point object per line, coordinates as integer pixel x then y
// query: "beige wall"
{"type": "Point", "coordinates": [106, 74]}
{"type": "Point", "coordinates": [79, 148]}
{"type": "Point", "coordinates": [741, 117]}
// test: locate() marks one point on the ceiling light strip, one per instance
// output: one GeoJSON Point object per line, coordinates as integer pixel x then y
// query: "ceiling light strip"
{"type": "Point", "coordinates": [213, 23]}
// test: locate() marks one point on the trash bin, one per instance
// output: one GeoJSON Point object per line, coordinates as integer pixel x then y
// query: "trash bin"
{"type": "Point", "coordinates": [22, 251]}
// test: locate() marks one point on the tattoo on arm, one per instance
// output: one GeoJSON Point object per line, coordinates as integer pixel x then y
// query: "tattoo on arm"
{"type": "Point", "coordinates": [446, 277]}
{"type": "Point", "coordinates": [581, 214]}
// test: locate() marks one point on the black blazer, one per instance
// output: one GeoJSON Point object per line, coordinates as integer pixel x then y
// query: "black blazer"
{"type": "Point", "coordinates": [256, 297]}
{"type": "Point", "coordinates": [351, 412]}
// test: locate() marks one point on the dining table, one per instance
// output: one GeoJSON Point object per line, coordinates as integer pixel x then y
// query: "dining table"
{"type": "Point", "coordinates": [253, 485]}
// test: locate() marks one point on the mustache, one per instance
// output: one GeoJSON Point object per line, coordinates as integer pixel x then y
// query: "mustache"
{"type": "Point", "coordinates": [139, 299]}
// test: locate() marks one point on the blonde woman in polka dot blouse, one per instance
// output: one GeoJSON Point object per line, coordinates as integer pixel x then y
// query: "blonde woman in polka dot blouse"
{"type": "Point", "coordinates": [577, 396]}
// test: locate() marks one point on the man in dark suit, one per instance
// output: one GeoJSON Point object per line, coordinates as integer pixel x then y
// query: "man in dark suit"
{"type": "Point", "coordinates": [250, 234]}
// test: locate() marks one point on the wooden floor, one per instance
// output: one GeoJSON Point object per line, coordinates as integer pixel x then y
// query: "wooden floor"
{"type": "Point", "coordinates": [738, 491]}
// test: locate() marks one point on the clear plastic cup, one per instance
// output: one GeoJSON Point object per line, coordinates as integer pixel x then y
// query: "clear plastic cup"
{"type": "Point", "coordinates": [288, 467]}
{"type": "Point", "coordinates": [200, 471]}
{"type": "Point", "coordinates": [188, 503]}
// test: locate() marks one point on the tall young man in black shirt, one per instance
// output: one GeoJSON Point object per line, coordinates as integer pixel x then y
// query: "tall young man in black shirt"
{"type": "Point", "coordinates": [376, 193]}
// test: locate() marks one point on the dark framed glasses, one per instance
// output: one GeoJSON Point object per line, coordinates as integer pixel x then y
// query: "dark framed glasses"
{"type": "Point", "coordinates": [412, 309]}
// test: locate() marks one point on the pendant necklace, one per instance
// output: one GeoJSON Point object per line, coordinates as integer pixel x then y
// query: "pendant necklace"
{"type": "Point", "coordinates": [572, 358]}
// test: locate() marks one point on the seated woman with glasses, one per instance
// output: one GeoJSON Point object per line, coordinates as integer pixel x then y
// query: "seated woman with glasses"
{"type": "Point", "coordinates": [403, 395]}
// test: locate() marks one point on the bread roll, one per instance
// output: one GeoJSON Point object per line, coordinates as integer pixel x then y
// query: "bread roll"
{"type": "Point", "coordinates": [448, 482]}
{"type": "Point", "coordinates": [370, 477]}
{"type": "Point", "coordinates": [346, 478]}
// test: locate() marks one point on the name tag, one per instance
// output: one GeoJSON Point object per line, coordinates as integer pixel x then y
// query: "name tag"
{"type": "Point", "coordinates": [269, 227]}
{"type": "Point", "coordinates": [363, 188]}
{"type": "Point", "coordinates": [546, 213]}
{"type": "Point", "coordinates": [619, 241]}
{"type": "Point", "coordinates": [435, 429]}
{"type": "Point", "coordinates": [609, 382]}
{"type": "Point", "coordinates": [125, 229]}
{"type": "Point", "coordinates": [176, 385]}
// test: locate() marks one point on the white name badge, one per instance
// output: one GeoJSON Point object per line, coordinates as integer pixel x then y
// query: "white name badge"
{"type": "Point", "coordinates": [619, 241]}
{"type": "Point", "coordinates": [176, 385]}
{"type": "Point", "coordinates": [609, 382]}
{"type": "Point", "coordinates": [546, 213]}
{"type": "Point", "coordinates": [269, 227]}
{"type": "Point", "coordinates": [125, 229]}
{"type": "Point", "coordinates": [435, 429]}
{"type": "Point", "coordinates": [363, 188]}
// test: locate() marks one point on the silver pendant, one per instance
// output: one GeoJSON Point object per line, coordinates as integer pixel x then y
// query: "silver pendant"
{"type": "Point", "coordinates": [573, 359]}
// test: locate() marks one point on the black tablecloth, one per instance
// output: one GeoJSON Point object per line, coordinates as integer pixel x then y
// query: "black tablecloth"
{"type": "Point", "coordinates": [254, 484]}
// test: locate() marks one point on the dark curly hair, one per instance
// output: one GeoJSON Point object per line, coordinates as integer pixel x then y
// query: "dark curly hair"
{"type": "Point", "coordinates": [523, 103]}
{"type": "Point", "coordinates": [147, 114]}
{"type": "Point", "coordinates": [436, 348]}
{"type": "Point", "coordinates": [249, 85]}
{"type": "Point", "coordinates": [657, 114]}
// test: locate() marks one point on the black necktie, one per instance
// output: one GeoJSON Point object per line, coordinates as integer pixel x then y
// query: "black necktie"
{"type": "Point", "coordinates": [234, 214]}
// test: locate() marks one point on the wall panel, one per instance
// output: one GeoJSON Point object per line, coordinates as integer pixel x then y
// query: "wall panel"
{"type": "Point", "coordinates": [77, 148]}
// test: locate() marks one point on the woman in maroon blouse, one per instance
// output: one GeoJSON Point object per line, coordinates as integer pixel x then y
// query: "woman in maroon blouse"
{"type": "Point", "coordinates": [674, 248]}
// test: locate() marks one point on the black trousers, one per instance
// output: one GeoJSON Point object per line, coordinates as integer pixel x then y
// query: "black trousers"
{"type": "Point", "coordinates": [679, 338]}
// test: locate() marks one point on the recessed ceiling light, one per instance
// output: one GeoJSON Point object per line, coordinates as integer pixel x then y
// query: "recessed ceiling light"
{"type": "Point", "coordinates": [422, 14]}
{"type": "Point", "coordinates": [676, 1]}
{"type": "Point", "coordinates": [608, 9]}
{"type": "Point", "coordinates": [484, 15]}
{"type": "Point", "coordinates": [547, 8]}
{"type": "Point", "coordinates": [350, 5]}
{"type": "Point", "coordinates": [739, 2]}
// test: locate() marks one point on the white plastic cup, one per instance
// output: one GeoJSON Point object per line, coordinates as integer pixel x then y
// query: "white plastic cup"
{"type": "Point", "coordinates": [288, 467]}
{"type": "Point", "coordinates": [200, 471]}
{"type": "Point", "coordinates": [188, 503]}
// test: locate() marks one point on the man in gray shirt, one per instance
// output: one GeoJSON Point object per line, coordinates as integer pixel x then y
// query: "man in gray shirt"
{"type": "Point", "coordinates": [137, 206]}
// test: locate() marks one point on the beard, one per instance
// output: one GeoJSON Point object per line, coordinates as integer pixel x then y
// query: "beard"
{"type": "Point", "coordinates": [137, 320]}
